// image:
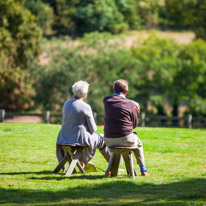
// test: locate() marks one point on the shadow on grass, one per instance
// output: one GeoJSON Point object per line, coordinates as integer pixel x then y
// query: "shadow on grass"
{"type": "Point", "coordinates": [25, 173]}
{"type": "Point", "coordinates": [121, 192]}
{"type": "Point", "coordinates": [81, 177]}
{"type": "Point", "coordinates": [61, 175]}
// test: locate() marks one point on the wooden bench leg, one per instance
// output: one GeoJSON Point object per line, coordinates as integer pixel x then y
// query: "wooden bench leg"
{"type": "Point", "coordinates": [78, 163]}
{"type": "Point", "coordinates": [117, 152]}
{"type": "Point", "coordinates": [74, 162]}
{"type": "Point", "coordinates": [70, 157]}
{"type": "Point", "coordinates": [132, 165]}
{"type": "Point", "coordinates": [115, 164]}
{"type": "Point", "coordinates": [110, 164]}
{"type": "Point", "coordinates": [129, 164]}
{"type": "Point", "coordinates": [60, 165]}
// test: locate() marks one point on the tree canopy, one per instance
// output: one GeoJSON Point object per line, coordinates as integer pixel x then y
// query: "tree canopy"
{"type": "Point", "coordinates": [161, 73]}
{"type": "Point", "coordinates": [20, 39]}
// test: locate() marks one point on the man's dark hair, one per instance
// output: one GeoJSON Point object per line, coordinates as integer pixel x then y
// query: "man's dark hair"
{"type": "Point", "coordinates": [120, 86]}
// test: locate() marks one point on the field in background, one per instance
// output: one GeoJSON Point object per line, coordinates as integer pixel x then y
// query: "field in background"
{"type": "Point", "coordinates": [175, 159]}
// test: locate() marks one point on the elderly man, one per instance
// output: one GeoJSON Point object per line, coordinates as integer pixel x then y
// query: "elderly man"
{"type": "Point", "coordinates": [78, 126]}
{"type": "Point", "coordinates": [120, 119]}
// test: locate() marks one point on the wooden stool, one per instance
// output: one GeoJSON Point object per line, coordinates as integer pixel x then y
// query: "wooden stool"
{"type": "Point", "coordinates": [72, 154]}
{"type": "Point", "coordinates": [116, 152]}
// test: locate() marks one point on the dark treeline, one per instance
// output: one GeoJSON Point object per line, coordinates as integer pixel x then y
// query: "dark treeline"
{"type": "Point", "coordinates": [76, 17]}
{"type": "Point", "coordinates": [163, 75]}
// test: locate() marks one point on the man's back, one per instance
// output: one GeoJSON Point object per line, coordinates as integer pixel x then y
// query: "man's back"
{"type": "Point", "coordinates": [120, 116]}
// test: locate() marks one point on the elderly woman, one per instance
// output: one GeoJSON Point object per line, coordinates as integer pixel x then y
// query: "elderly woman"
{"type": "Point", "coordinates": [78, 125]}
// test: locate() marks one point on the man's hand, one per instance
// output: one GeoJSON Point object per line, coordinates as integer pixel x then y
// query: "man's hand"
{"type": "Point", "coordinates": [137, 107]}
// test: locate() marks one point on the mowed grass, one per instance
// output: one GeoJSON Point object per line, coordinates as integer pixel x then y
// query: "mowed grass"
{"type": "Point", "coordinates": [175, 160]}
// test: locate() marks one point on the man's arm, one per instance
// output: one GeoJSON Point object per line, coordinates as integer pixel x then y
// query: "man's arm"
{"type": "Point", "coordinates": [137, 107]}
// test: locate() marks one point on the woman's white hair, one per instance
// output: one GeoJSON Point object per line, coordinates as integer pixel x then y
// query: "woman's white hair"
{"type": "Point", "coordinates": [80, 88]}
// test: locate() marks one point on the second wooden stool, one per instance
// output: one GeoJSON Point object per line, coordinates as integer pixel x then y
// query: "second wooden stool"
{"type": "Point", "coordinates": [116, 152]}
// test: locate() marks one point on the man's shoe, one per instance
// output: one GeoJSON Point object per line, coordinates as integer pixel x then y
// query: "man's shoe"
{"type": "Point", "coordinates": [144, 174]}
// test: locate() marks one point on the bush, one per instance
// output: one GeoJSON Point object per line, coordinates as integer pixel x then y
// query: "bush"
{"type": "Point", "coordinates": [129, 10]}
{"type": "Point", "coordinates": [98, 15]}
{"type": "Point", "coordinates": [16, 89]}
{"type": "Point", "coordinates": [156, 65]}
{"type": "Point", "coordinates": [95, 60]}
{"type": "Point", "coordinates": [43, 15]}
{"type": "Point", "coordinates": [192, 66]}
{"type": "Point", "coordinates": [149, 13]}
{"type": "Point", "coordinates": [79, 17]}
{"type": "Point", "coordinates": [185, 14]}
{"type": "Point", "coordinates": [20, 40]}
{"type": "Point", "coordinates": [160, 72]}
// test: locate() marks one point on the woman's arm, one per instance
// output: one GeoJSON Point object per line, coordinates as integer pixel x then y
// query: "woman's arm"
{"type": "Point", "coordinates": [90, 120]}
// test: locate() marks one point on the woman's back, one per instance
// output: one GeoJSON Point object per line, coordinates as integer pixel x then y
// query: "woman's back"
{"type": "Point", "coordinates": [73, 112]}
{"type": "Point", "coordinates": [77, 123]}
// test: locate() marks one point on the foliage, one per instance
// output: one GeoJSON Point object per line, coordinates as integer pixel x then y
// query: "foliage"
{"type": "Point", "coordinates": [20, 26]}
{"type": "Point", "coordinates": [96, 60]}
{"type": "Point", "coordinates": [19, 46]}
{"type": "Point", "coordinates": [65, 13]}
{"type": "Point", "coordinates": [43, 15]}
{"type": "Point", "coordinates": [155, 68]}
{"type": "Point", "coordinates": [16, 89]}
{"type": "Point", "coordinates": [149, 12]}
{"type": "Point", "coordinates": [28, 178]}
{"type": "Point", "coordinates": [156, 65]}
{"type": "Point", "coordinates": [98, 15]}
{"type": "Point", "coordinates": [192, 66]}
{"type": "Point", "coordinates": [196, 18]}
{"type": "Point", "coordinates": [185, 14]}
{"type": "Point", "coordinates": [129, 10]}
{"type": "Point", "coordinates": [54, 83]}
{"type": "Point", "coordinates": [172, 75]}
{"type": "Point", "coordinates": [160, 72]}
{"type": "Point", "coordinates": [76, 17]}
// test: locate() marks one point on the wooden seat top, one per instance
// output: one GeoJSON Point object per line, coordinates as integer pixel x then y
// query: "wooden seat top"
{"type": "Point", "coordinates": [70, 145]}
{"type": "Point", "coordinates": [122, 147]}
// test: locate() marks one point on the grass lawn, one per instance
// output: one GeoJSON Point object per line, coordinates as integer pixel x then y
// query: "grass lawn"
{"type": "Point", "coordinates": [175, 160]}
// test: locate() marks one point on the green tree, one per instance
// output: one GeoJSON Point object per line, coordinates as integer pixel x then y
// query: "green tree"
{"type": "Point", "coordinates": [19, 46]}
{"type": "Point", "coordinates": [155, 67]}
{"type": "Point", "coordinates": [99, 15]}
{"type": "Point", "coordinates": [43, 15]}
{"type": "Point", "coordinates": [129, 9]}
{"type": "Point", "coordinates": [189, 81]}
{"type": "Point", "coordinates": [159, 71]}
{"type": "Point", "coordinates": [196, 17]}
{"type": "Point", "coordinates": [77, 17]}
{"type": "Point", "coordinates": [97, 60]}
{"type": "Point", "coordinates": [65, 14]}
{"type": "Point", "coordinates": [185, 14]}
{"type": "Point", "coordinates": [149, 12]}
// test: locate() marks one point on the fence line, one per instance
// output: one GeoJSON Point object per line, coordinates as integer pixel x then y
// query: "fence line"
{"type": "Point", "coordinates": [148, 120]}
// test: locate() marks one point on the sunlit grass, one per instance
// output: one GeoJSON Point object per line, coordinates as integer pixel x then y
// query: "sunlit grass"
{"type": "Point", "coordinates": [175, 160]}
